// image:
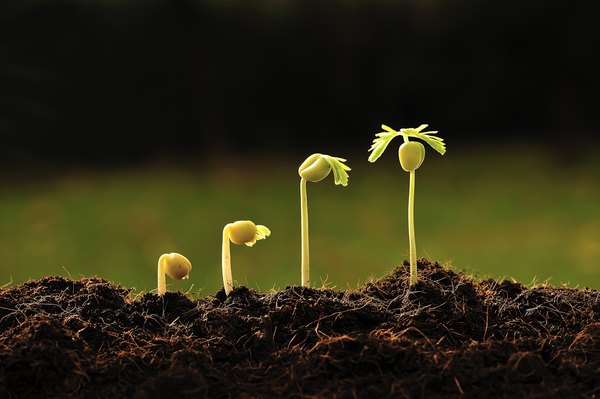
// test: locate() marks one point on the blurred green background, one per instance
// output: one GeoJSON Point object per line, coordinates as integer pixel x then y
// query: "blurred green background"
{"type": "Point", "coordinates": [512, 211]}
{"type": "Point", "coordinates": [132, 128]}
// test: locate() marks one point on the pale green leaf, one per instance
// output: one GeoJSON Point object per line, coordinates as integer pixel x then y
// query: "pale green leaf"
{"type": "Point", "coordinates": [437, 143]}
{"type": "Point", "coordinates": [340, 174]}
{"type": "Point", "coordinates": [381, 142]}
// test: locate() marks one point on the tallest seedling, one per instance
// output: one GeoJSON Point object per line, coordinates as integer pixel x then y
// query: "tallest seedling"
{"type": "Point", "coordinates": [411, 154]}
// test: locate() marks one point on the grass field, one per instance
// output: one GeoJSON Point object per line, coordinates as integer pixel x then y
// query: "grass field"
{"type": "Point", "coordinates": [519, 215]}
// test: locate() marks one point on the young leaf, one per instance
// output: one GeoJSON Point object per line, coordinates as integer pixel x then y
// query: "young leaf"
{"type": "Point", "coordinates": [340, 176]}
{"type": "Point", "coordinates": [437, 143]}
{"type": "Point", "coordinates": [381, 142]}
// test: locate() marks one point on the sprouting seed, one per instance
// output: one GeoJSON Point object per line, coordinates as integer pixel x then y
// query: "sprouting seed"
{"type": "Point", "coordinates": [176, 266]}
{"type": "Point", "coordinates": [314, 169]}
{"type": "Point", "coordinates": [240, 232]}
{"type": "Point", "coordinates": [411, 155]}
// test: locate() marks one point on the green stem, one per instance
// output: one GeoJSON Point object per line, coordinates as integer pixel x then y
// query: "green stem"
{"type": "Point", "coordinates": [411, 229]}
{"type": "Point", "coordinates": [304, 233]}
{"type": "Point", "coordinates": [226, 262]}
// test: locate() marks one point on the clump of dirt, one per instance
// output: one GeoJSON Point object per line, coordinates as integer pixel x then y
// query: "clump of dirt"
{"type": "Point", "coordinates": [447, 336]}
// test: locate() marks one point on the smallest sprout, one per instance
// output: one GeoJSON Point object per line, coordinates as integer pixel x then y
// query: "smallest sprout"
{"type": "Point", "coordinates": [240, 232]}
{"type": "Point", "coordinates": [176, 266]}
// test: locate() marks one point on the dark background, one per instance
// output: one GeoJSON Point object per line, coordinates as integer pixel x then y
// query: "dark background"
{"type": "Point", "coordinates": [108, 82]}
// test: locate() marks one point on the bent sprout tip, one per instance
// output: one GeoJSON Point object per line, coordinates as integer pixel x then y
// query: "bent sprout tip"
{"type": "Point", "coordinates": [176, 266]}
{"type": "Point", "coordinates": [240, 232]}
{"type": "Point", "coordinates": [318, 166]}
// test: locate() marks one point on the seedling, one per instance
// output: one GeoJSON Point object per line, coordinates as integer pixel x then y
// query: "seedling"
{"type": "Point", "coordinates": [314, 169]}
{"type": "Point", "coordinates": [240, 232]}
{"type": "Point", "coordinates": [176, 266]}
{"type": "Point", "coordinates": [412, 155]}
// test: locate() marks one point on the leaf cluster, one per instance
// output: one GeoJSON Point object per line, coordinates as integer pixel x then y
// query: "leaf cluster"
{"type": "Point", "coordinates": [384, 138]}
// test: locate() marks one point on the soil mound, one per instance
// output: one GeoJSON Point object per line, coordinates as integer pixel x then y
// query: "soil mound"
{"type": "Point", "coordinates": [447, 336]}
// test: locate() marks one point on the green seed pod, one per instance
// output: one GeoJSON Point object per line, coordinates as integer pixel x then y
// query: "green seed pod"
{"type": "Point", "coordinates": [314, 169]}
{"type": "Point", "coordinates": [412, 155]}
{"type": "Point", "coordinates": [174, 265]}
{"type": "Point", "coordinates": [242, 232]}
{"type": "Point", "coordinates": [177, 266]}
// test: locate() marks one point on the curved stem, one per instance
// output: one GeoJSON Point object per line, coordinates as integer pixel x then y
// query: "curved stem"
{"type": "Point", "coordinates": [162, 284]}
{"type": "Point", "coordinates": [226, 262]}
{"type": "Point", "coordinates": [411, 229]}
{"type": "Point", "coordinates": [304, 233]}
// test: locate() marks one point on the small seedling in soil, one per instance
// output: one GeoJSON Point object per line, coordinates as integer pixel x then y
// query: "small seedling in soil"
{"type": "Point", "coordinates": [240, 232]}
{"type": "Point", "coordinates": [412, 155]}
{"type": "Point", "coordinates": [314, 169]}
{"type": "Point", "coordinates": [176, 266]}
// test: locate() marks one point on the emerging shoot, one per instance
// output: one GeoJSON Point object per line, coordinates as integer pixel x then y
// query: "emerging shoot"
{"type": "Point", "coordinates": [240, 232]}
{"type": "Point", "coordinates": [411, 155]}
{"type": "Point", "coordinates": [314, 169]}
{"type": "Point", "coordinates": [176, 266]}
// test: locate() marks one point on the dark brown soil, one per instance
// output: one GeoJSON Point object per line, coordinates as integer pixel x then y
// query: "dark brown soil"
{"type": "Point", "coordinates": [448, 336]}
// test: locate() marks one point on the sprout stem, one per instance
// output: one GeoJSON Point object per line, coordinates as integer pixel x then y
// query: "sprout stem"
{"type": "Point", "coordinates": [162, 283]}
{"type": "Point", "coordinates": [226, 262]}
{"type": "Point", "coordinates": [304, 233]}
{"type": "Point", "coordinates": [411, 229]}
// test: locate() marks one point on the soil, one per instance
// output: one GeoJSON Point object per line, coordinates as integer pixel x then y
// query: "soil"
{"type": "Point", "coordinates": [447, 336]}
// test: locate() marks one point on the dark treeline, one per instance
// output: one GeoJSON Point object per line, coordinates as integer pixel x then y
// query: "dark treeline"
{"type": "Point", "coordinates": [123, 80]}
